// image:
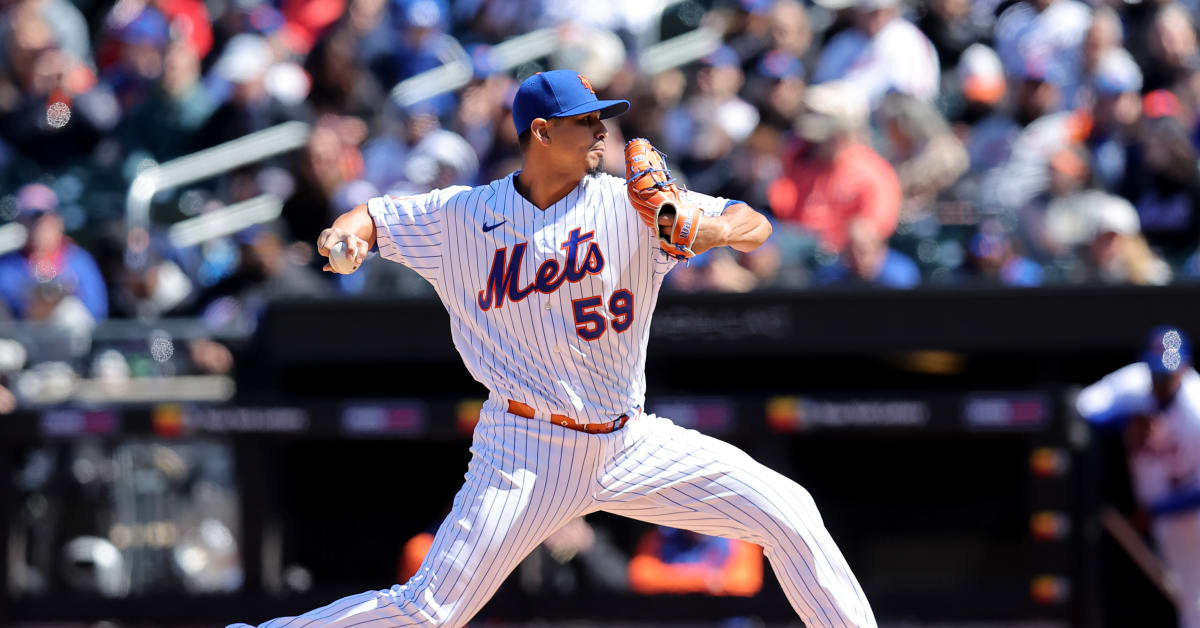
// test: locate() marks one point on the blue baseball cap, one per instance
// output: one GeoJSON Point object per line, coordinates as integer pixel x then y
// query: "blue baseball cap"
{"type": "Point", "coordinates": [780, 65]}
{"type": "Point", "coordinates": [149, 28]}
{"type": "Point", "coordinates": [723, 57]}
{"type": "Point", "coordinates": [1167, 350]}
{"type": "Point", "coordinates": [559, 94]}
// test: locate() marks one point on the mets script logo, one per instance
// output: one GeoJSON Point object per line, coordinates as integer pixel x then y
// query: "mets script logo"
{"type": "Point", "coordinates": [504, 279]}
{"type": "Point", "coordinates": [583, 79]}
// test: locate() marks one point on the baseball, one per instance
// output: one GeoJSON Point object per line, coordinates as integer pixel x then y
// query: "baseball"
{"type": "Point", "coordinates": [339, 259]}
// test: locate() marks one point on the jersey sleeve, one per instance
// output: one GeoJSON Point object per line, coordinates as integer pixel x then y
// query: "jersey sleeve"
{"type": "Point", "coordinates": [1118, 395]}
{"type": "Point", "coordinates": [410, 229]}
{"type": "Point", "coordinates": [710, 205]}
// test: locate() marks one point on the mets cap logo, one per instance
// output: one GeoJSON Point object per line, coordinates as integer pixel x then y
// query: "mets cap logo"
{"type": "Point", "coordinates": [583, 79]}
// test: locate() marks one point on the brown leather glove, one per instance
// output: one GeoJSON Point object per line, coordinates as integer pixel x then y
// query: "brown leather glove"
{"type": "Point", "coordinates": [661, 204]}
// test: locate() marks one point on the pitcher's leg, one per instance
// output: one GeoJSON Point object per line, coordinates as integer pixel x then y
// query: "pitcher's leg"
{"type": "Point", "coordinates": [516, 494]}
{"type": "Point", "coordinates": [684, 479]}
{"type": "Point", "coordinates": [1178, 538]}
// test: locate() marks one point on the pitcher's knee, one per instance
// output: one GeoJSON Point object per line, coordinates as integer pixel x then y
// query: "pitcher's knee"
{"type": "Point", "coordinates": [418, 610]}
{"type": "Point", "coordinates": [793, 515]}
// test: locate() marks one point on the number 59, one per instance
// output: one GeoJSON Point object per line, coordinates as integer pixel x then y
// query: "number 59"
{"type": "Point", "coordinates": [590, 324]}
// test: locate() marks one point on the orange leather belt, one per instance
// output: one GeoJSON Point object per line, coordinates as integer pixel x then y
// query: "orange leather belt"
{"type": "Point", "coordinates": [525, 410]}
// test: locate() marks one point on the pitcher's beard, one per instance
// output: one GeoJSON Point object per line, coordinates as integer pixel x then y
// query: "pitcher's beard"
{"type": "Point", "coordinates": [596, 169]}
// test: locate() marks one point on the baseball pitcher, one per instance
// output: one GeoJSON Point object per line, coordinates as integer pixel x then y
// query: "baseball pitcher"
{"type": "Point", "coordinates": [550, 276]}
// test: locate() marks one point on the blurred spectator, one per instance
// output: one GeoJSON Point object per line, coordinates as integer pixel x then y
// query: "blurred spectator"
{"type": "Point", "coordinates": [8, 402]}
{"type": "Point", "coordinates": [305, 20]}
{"type": "Point", "coordinates": [189, 21]}
{"type": "Point", "coordinates": [615, 15]}
{"type": "Point", "coordinates": [756, 164]}
{"type": "Point", "coordinates": [329, 165]}
{"type": "Point", "coordinates": [367, 23]}
{"type": "Point", "coordinates": [791, 33]}
{"type": "Point", "coordinates": [1047, 34]}
{"type": "Point", "coordinates": [742, 123]}
{"type": "Point", "coordinates": [1036, 95]}
{"type": "Point", "coordinates": [43, 76]}
{"type": "Point", "coordinates": [419, 44]}
{"type": "Point", "coordinates": [981, 77]}
{"type": "Point", "coordinates": [779, 81]}
{"type": "Point", "coordinates": [51, 277]}
{"type": "Point", "coordinates": [443, 158]}
{"type": "Point", "coordinates": [868, 261]}
{"type": "Point", "coordinates": [1102, 229]}
{"type": "Point", "coordinates": [152, 284]}
{"type": "Point", "coordinates": [715, 107]}
{"type": "Point", "coordinates": [1117, 252]}
{"type": "Point", "coordinates": [709, 163]}
{"type": "Point", "coordinates": [1068, 173]}
{"type": "Point", "coordinates": [340, 84]}
{"type": "Point", "coordinates": [655, 98]}
{"type": "Point", "coordinates": [493, 21]}
{"type": "Point", "coordinates": [1164, 186]}
{"type": "Point", "coordinates": [994, 257]}
{"type": "Point", "coordinates": [988, 128]}
{"type": "Point", "coordinates": [840, 15]}
{"type": "Point", "coordinates": [1104, 34]}
{"type": "Point", "coordinates": [883, 52]}
{"type": "Point", "coordinates": [70, 29]}
{"type": "Point", "coordinates": [951, 29]}
{"type": "Point", "coordinates": [267, 269]}
{"type": "Point", "coordinates": [135, 54]}
{"type": "Point", "coordinates": [748, 28]}
{"type": "Point", "coordinates": [480, 118]}
{"type": "Point", "coordinates": [1105, 128]}
{"type": "Point", "coordinates": [775, 28]}
{"type": "Point", "coordinates": [1116, 87]}
{"type": "Point", "coordinates": [679, 561]}
{"type": "Point", "coordinates": [400, 130]}
{"type": "Point", "coordinates": [596, 53]}
{"type": "Point", "coordinates": [244, 65]}
{"type": "Point", "coordinates": [1172, 49]}
{"type": "Point", "coordinates": [727, 271]}
{"type": "Point", "coordinates": [831, 178]}
{"type": "Point", "coordinates": [414, 154]}
{"type": "Point", "coordinates": [928, 157]}
{"type": "Point", "coordinates": [167, 122]}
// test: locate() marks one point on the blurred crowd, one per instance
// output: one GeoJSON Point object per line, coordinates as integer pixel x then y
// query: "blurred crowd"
{"type": "Point", "coordinates": [893, 143]}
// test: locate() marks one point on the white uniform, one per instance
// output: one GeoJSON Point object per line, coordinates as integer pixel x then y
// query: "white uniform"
{"type": "Point", "coordinates": [552, 309]}
{"type": "Point", "coordinates": [1168, 466]}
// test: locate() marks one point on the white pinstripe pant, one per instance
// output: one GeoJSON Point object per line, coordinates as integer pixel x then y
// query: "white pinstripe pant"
{"type": "Point", "coordinates": [527, 478]}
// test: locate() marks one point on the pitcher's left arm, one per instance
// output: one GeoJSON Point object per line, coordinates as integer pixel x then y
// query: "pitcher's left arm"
{"type": "Point", "coordinates": [739, 227]}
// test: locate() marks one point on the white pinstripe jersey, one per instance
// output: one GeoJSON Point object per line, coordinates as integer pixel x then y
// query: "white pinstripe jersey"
{"type": "Point", "coordinates": [550, 307]}
{"type": "Point", "coordinates": [1163, 466]}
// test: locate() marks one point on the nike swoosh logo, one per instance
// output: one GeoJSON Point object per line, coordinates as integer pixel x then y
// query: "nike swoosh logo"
{"type": "Point", "coordinates": [487, 227]}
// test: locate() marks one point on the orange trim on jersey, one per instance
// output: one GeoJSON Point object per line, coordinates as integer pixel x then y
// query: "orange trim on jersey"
{"type": "Point", "coordinates": [526, 411]}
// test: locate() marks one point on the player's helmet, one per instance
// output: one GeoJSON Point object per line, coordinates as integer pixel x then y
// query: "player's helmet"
{"type": "Point", "coordinates": [1167, 350]}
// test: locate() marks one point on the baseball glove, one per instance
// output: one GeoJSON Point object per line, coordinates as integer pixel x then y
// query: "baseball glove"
{"type": "Point", "coordinates": [654, 194]}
